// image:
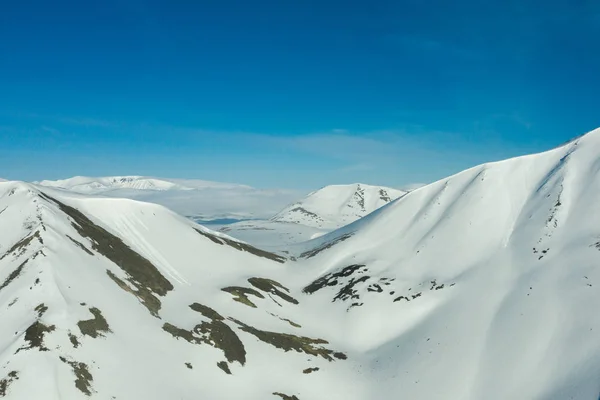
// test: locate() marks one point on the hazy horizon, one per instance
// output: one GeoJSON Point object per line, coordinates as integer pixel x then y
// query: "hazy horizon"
{"type": "Point", "coordinates": [291, 95]}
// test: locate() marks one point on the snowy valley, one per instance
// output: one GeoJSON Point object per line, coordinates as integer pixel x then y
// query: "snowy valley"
{"type": "Point", "coordinates": [483, 285]}
{"type": "Point", "coordinates": [320, 212]}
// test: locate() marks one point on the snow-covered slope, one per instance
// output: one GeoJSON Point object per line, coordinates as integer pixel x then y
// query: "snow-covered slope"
{"type": "Point", "coordinates": [484, 285]}
{"type": "Point", "coordinates": [481, 286]}
{"type": "Point", "coordinates": [196, 199]}
{"type": "Point", "coordinates": [337, 205]}
{"type": "Point", "coordinates": [112, 298]}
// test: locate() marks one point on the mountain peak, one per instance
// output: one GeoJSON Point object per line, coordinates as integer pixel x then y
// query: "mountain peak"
{"type": "Point", "coordinates": [337, 205]}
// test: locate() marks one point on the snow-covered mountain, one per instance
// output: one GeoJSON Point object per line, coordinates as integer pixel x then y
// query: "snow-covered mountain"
{"type": "Point", "coordinates": [318, 213]}
{"type": "Point", "coordinates": [483, 285]}
{"type": "Point", "coordinates": [82, 184]}
{"type": "Point", "coordinates": [196, 199]}
{"type": "Point", "coordinates": [337, 205]}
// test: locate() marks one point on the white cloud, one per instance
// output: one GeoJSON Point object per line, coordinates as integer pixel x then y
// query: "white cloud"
{"type": "Point", "coordinates": [50, 130]}
{"type": "Point", "coordinates": [69, 120]}
{"type": "Point", "coordinates": [356, 167]}
{"type": "Point", "coordinates": [360, 150]}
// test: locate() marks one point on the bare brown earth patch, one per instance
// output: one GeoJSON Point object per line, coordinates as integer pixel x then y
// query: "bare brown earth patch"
{"type": "Point", "coordinates": [95, 327]}
{"type": "Point", "coordinates": [273, 287]}
{"type": "Point", "coordinates": [215, 333]}
{"type": "Point", "coordinates": [240, 294]}
{"type": "Point", "coordinates": [13, 275]}
{"type": "Point", "coordinates": [83, 377]}
{"type": "Point", "coordinates": [6, 382]}
{"type": "Point", "coordinates": [285, 396]}
{"type": "Point", "coordinates": [287, 342]}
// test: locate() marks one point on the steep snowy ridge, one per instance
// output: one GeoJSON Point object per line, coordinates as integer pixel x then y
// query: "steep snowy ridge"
{"type": "Point", "coordinates": [484, 285]}
{"type": "Point", "coordinates": [337, 205]}
{"type": "Point", "coordinates": [490, 276]}
{"type": "Point", "coordinates": [99, 295]}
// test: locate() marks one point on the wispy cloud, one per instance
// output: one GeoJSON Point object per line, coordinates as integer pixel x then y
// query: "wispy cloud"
{"type": "Point", "coordinates": [493, 121]}
{"type": "Point", "coordinates": [89, 122]}
{"type": "Point", "coordinates": [356, 149]}
{"type": "Point", "coordinates": [357, 167]}
{"type": "Point", "coordinates": [336, 145]}
{"type": "Point", "coordinates": [430, 46]}
{"type": "Point", "coordinates": [68, 120]}
{"type": "Point", "coordinates": [50, 130]}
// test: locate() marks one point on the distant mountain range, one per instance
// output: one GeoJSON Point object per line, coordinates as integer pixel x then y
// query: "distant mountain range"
{"type": "Point", "coordinates": [82, 184]}
{"type": "Point", "coordinates": [196, 199]}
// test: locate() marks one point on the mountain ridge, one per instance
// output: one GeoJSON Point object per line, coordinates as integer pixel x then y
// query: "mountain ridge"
{"type": "Point", "coordinates": [63, 317]}
{"type": "Point", "coordinates": [479, 285]}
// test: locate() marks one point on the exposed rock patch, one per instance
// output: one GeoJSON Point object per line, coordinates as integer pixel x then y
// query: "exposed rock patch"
{"type": "Point", "coordinates": [215, 333]}
{"type": "Point", "coordinates": [6, 382]}
{"type": "Point", "coordinates": [34, 335]}
{"type": "Point", "coordinates": [13, 275]}
{"type": "Point", "coordinates": [287, 342]}
{"type": "Point", "coordinates": [21, 246]}
{"type": "Point", "coordinates": [241, 294]}
{"type": "Point", "coordinates": [224, 366]}
{"type": "Point", "coordinates": [272, 287]}
{"type": "Point", "coordinates": [292, 323]}
{"type": "Point", "coordinates": [74, 341]}
{"type": "Point", "coordinates": [41, 310]}
{"type": "Point", "coordinates": [332, 279]}
{"type": "Point", "coordinates": [83, 377]}
{"type": "Point", "coordinates": [285, 396]}
{"type": "Point", "coordinates": [95, 327]}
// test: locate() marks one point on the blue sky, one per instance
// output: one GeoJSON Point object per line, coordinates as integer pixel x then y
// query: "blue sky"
{"type": "Point", "coordinates": [295, 94]}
